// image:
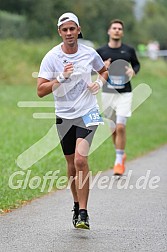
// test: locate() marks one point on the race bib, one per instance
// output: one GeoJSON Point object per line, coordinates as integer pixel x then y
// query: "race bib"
{"type": "Point", "coordinates": [92, 118]}
{"type": "Point", "coordinates": [117, 82]}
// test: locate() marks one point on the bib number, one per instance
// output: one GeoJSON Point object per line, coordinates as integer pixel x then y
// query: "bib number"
{"type": "Point", "coordinates": [117, 82]}
{"type": "Point", "coordinates": [92, 118]}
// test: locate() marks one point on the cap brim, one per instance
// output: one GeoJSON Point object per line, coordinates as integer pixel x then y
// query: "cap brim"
{"type": "Point", "coordinates": [80, 35]}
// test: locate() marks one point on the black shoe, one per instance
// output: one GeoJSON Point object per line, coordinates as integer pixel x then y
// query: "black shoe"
{"type": "Point", "coordinates": [83, 220]}
{"type": "Point", "coordinates": [76, 213]}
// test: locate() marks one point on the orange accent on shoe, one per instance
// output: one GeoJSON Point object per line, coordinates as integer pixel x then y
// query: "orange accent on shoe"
{"type": "Point", "coordinates": [124, 159]}
{"type": "Point", "coordinates": [119, 169]}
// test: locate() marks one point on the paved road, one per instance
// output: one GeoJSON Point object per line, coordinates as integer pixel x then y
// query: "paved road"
{"type": "Point", "coordinates": [124, 216]}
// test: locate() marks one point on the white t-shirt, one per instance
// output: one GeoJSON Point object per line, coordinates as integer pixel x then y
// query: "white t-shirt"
{"type": "Point", "coordinates": [72, 98]}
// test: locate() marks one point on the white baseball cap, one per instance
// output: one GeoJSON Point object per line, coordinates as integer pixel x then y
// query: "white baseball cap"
{"type": "Point", "coordinates": [69, 17]}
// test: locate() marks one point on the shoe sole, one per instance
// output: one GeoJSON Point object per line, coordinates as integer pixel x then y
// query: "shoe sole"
{"type": "Point", "coordinates": [118, 174]}
{"type": "Point", "coordinates": [82, 225]}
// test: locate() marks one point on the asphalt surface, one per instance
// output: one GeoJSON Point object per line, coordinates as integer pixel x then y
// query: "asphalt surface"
{"type": "Point", "coordinates": [130, 214]}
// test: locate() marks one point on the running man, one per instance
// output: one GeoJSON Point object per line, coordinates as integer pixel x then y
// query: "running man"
{"type": "Point", "coordinates": [66, 71]}
{"type": "Point", "coordinates": [122, 63]}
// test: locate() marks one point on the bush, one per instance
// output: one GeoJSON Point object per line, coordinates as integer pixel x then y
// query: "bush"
{"type": "Point", "coordinates": [12, 25]}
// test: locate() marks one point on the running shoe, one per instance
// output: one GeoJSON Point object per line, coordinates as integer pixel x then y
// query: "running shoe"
{"type": "Point", "coordinates": [119, 169]}
{"type": "Point", "coordinates": [75, 215]}
{"type": "Point", "coordinates": [83, 221]}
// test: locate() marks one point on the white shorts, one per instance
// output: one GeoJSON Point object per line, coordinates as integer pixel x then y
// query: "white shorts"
{"type": "Point", "coordinates": [118, 104]}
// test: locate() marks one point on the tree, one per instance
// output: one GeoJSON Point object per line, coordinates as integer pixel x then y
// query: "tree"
{"type": "Point", "coordinates": [95, 16]}
{"type": "Point", "coordinates": [154, 22]}
{"type": "Point", "coordinates": [41, 18]}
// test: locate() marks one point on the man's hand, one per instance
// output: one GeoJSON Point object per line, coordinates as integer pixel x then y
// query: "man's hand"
{"type": "Point", "coordinates": [129, 72]}
{"type": "Point", "coordinates": [107, 63]}
{"type": "Point", "coordinates": [68, 70]}
{"type": "Point", "coordinates": [94, 87]}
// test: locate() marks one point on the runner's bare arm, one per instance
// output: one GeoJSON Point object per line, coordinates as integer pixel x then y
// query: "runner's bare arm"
{"type": "Point", "coordinates": [103, 74]}
{"type": "Point", "coordinates": [45, 87]}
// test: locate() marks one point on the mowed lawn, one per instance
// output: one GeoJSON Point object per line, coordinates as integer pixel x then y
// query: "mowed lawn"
{"type": "Point", "coordinates": [146, 130]}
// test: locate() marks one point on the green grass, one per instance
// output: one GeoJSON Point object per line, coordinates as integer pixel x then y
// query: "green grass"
{"type": "Point", "coordinates": [146, 129]}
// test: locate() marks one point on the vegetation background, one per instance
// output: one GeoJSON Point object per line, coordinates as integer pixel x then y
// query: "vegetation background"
{"type": "Point", "coordinates": [27, 31]}
{"type": "Point", "coordinates": [30, 19]}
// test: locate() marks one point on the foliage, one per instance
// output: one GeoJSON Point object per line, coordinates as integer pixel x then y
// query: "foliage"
{"type": "Point", "coordinates": [94, 16]}
{"type": "Point", "coordinates": [40, 18]}
{"type": "Point", "coordinates": [154, 22]}
{"type": "Point", "coordinates": [20, 59]}
{"type": "Point", "coordinates": [12, 25]}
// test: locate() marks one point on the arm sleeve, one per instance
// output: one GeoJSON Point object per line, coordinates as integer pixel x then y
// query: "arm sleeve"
{"type": "Point", "coordinates": [134, 61]}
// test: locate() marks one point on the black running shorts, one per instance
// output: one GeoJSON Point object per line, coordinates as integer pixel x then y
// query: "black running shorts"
{"type": "Point", "coordinates": [71, 129]}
